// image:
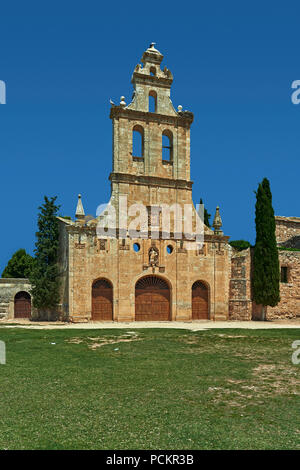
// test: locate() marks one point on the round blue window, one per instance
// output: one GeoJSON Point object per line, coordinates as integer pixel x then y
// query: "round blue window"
{"type": "Point", "coordinates": [136, 247]}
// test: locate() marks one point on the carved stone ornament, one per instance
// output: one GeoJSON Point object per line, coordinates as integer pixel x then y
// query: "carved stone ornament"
{"type": "Point", "coordinates": [153, 257]}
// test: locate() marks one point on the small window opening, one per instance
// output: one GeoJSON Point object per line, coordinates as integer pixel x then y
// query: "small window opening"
{"type": "Point", "coordinates": [138, 142]}
{"type": "Point", "coordinates": [167, 146]}
{"type": "Point", "coordinates": [136, 247]}
{"type": "Point", "coordinates": [284, 274]}
{"type": "Point", "coordinates": [153, 71]}
{"type": "Point", "coordinates": [152, 102]}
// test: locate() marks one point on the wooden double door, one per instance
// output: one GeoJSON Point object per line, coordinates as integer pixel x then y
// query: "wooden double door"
{"type": "Point", "coordinates": [152, 299]}
{"type": "Point", "coordinates": [102, 301]}
{"type": "Point", "coordinates": [200, 303]}
{"type": "Point", "coordinates": [22, 305]}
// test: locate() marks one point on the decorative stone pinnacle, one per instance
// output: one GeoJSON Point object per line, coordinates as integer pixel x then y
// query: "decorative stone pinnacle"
{"type": "Point", "coordinates": [179, 108]}
{"type": "Point", "coordinates": [122, 102]}
{"type": "Point", "coordinates": [217, 223]}
{"type": "Point", "coordinates": [79, 209]}
{"type": "Point", "coordinates": [152, 55]}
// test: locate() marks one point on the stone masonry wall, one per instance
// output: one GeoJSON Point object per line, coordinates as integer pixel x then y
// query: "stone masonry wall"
{"type": "Point", "coordinates": [123, 267]}
{"type": "Point", "coordinates": [8, 289]}
{"type": "Point", "coordinates": [288, 231]}
{"type": "Point", "coordinates": [289, 305]}
{"type": "Point", "coordinates": [240, 305]}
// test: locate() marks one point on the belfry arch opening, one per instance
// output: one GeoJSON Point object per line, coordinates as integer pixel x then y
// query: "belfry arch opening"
{"type": "Point", "coordinates": [167, 146]}
{"type": "Point", "coordinates": [152, 299]}
{"type": "Point", "coordinates": [152, 101]}
{"type": "Point", "coordinates": [138, 141]}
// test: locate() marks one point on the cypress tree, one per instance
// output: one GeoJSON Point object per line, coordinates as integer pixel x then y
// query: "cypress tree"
{"type": "Point", "coordinates": [44, 276]}
{"type": "Point", "coordinates": [266, 277]}
{"type": "Point", "coordinates": [207, 216]}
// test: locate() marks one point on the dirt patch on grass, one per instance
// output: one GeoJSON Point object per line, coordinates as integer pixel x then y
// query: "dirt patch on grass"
{"type": "Point", "coordinates": [111, 341]}
{"type": "Point", "coordinates": [267, 381]}
{"type": "Point", "coordinates": [231, 336]}
{"type": "Point", "coordinates": [98, 341]}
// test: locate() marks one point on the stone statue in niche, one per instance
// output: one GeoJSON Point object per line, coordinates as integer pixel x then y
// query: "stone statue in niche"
{"type": "Point", "coordinates": [153, 257]}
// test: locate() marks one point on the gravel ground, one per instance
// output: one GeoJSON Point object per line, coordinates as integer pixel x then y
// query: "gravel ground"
{"type": "Point", "coordinates": [193, 325]}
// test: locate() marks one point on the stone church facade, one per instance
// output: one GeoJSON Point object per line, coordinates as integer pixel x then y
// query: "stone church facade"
{"type": "Point", "coordinates": [154, 274]}
{"type": "Point", "coordinates": [150, 277]}
{"type": "Point", "coordinates": [107, 279]}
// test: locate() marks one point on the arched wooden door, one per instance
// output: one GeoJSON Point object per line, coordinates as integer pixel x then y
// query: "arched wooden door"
{"type": "Point", "coordinates": [152, 299]}
{"type": "Point", "coordinates": [200, 309]}
{"type": "Point", "coordinates": [22, 305]}
{"type": "Point", "coordinates": [102, 300]}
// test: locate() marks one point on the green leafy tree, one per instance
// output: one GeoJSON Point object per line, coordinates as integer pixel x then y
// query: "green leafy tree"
{"type": "Point", "coordinates": [207, 216]}
{"type": "Point", "coordinates": [19, 266]}
{"type": "Point", "coordinates": [240, 245]}
{"type": "Point", "coordinates": [44, 276]}
{"type": "Point", "coordinates": [266, 275]}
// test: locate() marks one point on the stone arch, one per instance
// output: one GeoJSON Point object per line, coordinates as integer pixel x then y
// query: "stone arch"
{"type": "Point", "coordinates": [22, 305]}
{"type": "Point", "coordinates": [102, 300]}
{"type": "Point", "coordinates": [167, 145]}
{"type": "Point", "coordinates": [152, 108]}
{"type": "Point", "coordinates": [200, 300]}
{"type": "Point", "coordinates": [138, 141]}
{"type": "Point", "coordinates": [152, 299]}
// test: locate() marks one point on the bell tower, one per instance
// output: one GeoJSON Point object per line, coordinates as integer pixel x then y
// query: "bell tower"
{"type": "Point", "coordinates": [151, 141]}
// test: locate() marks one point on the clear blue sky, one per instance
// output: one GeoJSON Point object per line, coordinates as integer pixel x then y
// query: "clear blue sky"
{"type": "Point", "coordinates": [233, 64]}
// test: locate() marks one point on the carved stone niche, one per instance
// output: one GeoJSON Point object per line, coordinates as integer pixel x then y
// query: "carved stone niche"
{"type": "Point", "coordinates": [80, 246]}
{"type": "Point", "coordinates": [153, 256]}
{"type": "Point", "coordinates": [100, 244]}
{"type": "Point", "coordinates": [203, 250]}
{"type": "Point", "coordinates": [123, 245]}
{"type": "Point", "coordinates": [181, 248]}
{"type": "Point", "coordinates": [219, 249]}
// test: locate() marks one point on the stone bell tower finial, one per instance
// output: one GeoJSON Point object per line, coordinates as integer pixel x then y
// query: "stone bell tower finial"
{"type": "Point", "coordinates": [217, 223]}
{"type": "Point", "coordinates": [80, 215]}
{"type": "Point", "coordinates": [152, 55]}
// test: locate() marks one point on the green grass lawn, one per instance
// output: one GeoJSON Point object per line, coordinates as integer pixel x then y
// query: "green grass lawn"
{"type": "Point", "coordinates": [149, 389]}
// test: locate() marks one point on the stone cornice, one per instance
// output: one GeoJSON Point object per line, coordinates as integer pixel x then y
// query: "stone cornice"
{"type": "Point", "coordinates": [151, 80]}
{"type": "Point", "coordinates": [280, 218]}
{"type": "Point", "coordinates": [119, 234]}
{"type": "Point", "coordinates": [150, 181]}
{"type": "Point", "coordinates": [216, 238]}
{"type": "Point", "coordinates": [184, 119]}
{"type": "Point", "coordinates": [14, 280]}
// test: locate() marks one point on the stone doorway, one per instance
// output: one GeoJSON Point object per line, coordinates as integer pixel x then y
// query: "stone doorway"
{"type": "Point", "coordinates": [102, 300]}
{"type": "Point", "coordinates": [200, 305]}
{"type": "Point", "coordinates": [152, 299]}
{"type": "Point", "coordinates": [22, 307]}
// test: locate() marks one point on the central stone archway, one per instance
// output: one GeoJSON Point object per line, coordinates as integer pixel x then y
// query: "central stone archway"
{"type": "Point", "coordinates": [152, 299]}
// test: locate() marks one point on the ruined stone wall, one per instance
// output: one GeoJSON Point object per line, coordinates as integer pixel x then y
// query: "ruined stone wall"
{"type": "Point", "coordinates": [289, 305]}
{"type": "Point", "coordinates": [288, 231]}
{"type": "Point", "coordinates": [240, 305]}
{"type": "Point", "coordinates": [63, 261]}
